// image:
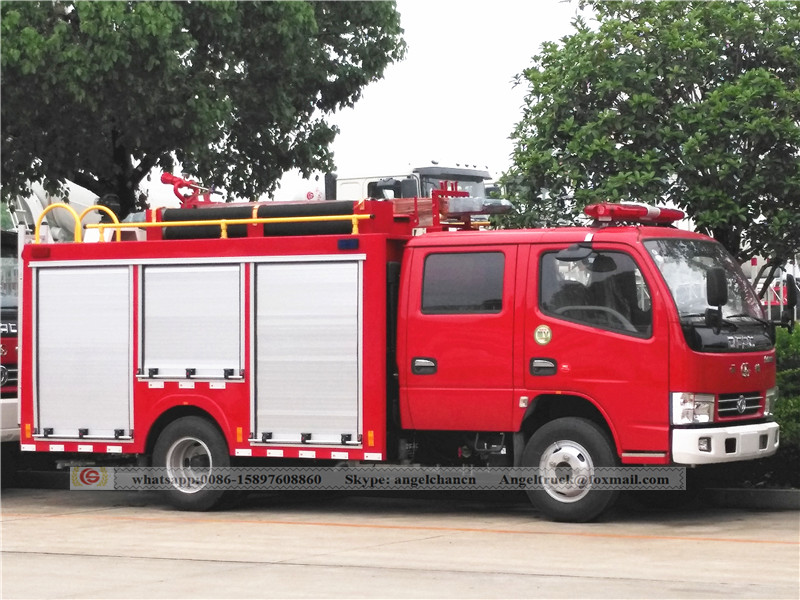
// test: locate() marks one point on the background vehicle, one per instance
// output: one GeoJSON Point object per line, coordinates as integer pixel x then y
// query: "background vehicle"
{"type": "Point", "coordinates": [777, 301]}
{"type": "Point", "coordinates": [9, 365]}
{"type": "Point", "coordinates": [776, 298]}
{"type": "Point", "coordinates": [9, 279]}
{"type": "Point", "coordinates": [419, 182]}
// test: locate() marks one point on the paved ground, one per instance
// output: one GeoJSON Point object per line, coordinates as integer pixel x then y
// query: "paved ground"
{"type": "Point", "coordinates": [61, 544]}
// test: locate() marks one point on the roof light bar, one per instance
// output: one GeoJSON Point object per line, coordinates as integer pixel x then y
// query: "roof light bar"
{"type": "Point", "coordinates": [637, 213]}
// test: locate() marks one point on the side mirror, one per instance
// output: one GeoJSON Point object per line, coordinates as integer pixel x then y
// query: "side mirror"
{"type": "Point", "coordinates": [384, 188]}
{"type": "Point", "coordinates": [330, 186]}
{"type": "Point", "coordinates": [791, 291]}
{"type": "Point", "coordinates": [787, 315]}
{"type": "Point", "coordinates": [716, 295]}
{"type": "Point", "coordinates": [716, 287]}
{"type": "Point", "coordinates": [408, 188]}
{"type": "Point", "coordinates": [492, 189]}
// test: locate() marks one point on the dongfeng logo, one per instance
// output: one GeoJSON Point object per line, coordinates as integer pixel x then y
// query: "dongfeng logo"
{"type": "Point", "coordinates": [741, 405]}
{"type": "Point", "coordinates": [3, 375]}
{"type": "Point", "coordinates": [745, 369]}
{"type": "Point", "coordinates": [740, 342]}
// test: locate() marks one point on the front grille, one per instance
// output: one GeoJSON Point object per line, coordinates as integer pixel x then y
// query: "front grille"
{"type": "Point", "coordinates": [8, 377]}
{"type": "Point", "coordinates": [739, 405]}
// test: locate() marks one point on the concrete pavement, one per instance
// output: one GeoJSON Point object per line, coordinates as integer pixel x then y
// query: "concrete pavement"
{"type": "Point", "coordinates": [61, 544]}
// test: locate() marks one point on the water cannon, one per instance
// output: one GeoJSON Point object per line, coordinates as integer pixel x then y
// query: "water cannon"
{"type": "Point", "coordinates": [198, 194]}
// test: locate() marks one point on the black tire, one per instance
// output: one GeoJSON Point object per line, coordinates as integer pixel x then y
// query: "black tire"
{"type": "Point", "coordinates": [191, 446]}
{"type": "Point", "coordinates": [572, 446]}
{"type": "Point", "coordinates": [9, 464]}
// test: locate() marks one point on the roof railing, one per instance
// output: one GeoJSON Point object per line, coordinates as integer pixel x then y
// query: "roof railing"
{"type": "Point", "coordinates": [223, 224]}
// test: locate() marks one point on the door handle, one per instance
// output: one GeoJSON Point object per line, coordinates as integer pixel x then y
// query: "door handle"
{"type": "Point", "coordinates": [543, 366]}
{"type": "Point", "coordinates": [423, 366]}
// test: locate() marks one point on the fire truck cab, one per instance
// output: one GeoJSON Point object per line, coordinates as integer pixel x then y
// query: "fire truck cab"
{"type": "Point", "coordinates": [325, 332]}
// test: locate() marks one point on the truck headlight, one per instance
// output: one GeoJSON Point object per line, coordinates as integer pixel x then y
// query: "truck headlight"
{"type": "Point", "coordinates": [689, 408]}
{"type": "Point", "coordinates": [769, 401]}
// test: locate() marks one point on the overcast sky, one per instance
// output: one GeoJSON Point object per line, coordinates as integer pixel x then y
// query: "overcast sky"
{"type": "Point", "coordinates": [452, 99]}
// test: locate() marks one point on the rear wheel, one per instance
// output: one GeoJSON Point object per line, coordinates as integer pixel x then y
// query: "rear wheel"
{"type": "Point", "coordinates": [190, 450]}
{"type": "Point", "coordinates": [566, 451]}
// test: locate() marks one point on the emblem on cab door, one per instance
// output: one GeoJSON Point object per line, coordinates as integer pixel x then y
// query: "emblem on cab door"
{"type": "Point", "coordinates": [543, 335]}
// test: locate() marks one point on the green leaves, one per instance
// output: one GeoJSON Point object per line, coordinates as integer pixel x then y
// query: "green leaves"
{"type": "Point", "coordinates": [237, 92]}
{"type": "Point", "coordinates": [694, 103]}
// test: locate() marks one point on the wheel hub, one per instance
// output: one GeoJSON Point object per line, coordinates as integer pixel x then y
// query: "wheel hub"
{"type": "Point", "coordinates": [566, 468]}
{"type": "Point", "coordinates": [188, 460]}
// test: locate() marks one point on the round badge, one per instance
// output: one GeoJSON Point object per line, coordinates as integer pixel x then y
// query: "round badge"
{"type": "Point", "coordinates": [543, 335]}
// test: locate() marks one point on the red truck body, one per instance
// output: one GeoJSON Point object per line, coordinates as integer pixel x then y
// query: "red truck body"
{"type": "Point", "coordinates": [298, 339]}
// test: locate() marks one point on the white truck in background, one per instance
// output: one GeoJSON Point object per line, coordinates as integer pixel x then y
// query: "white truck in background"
{"type": "Point", "coordinates": [418, 182]}
{"type": "Point", "coordinates": [403, 182]}
{"type": "Point", "coordinates": [59, 224]}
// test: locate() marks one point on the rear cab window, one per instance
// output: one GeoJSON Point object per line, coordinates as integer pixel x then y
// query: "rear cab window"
{"type": "Point", "coordinates": [463, 283]}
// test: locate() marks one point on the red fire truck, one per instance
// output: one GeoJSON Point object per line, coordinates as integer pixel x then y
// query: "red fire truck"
{"type": "Point", "coordinates": [326, 332]}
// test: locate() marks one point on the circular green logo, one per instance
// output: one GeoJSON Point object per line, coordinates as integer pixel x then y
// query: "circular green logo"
{"type": "Point", "coordinates": [543, 335]}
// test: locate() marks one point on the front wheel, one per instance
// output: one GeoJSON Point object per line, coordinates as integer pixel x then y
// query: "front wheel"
{"type": "Point", "coordinates": [566, 451]}
{"type": "Point", "coordinates": [189, 450]}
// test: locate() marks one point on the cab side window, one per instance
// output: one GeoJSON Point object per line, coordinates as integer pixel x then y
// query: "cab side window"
{"type": "Point", "coordinates": [605, 290]}
{"type": "Point", "coordinates": [463, 282]}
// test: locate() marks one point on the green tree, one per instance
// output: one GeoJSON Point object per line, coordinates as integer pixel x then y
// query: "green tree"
{"type": "Point", "coordinates": [694, 103]}
{"type": "Point", "coordinates": [100, 93]}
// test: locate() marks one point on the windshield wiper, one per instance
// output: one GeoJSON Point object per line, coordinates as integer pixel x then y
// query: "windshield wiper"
{"type": "Point", "coordinates": [722, 321]}
{"type": "Point", "coordinates": [748, 315]}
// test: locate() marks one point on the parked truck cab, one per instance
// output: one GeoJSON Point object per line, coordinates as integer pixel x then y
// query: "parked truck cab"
{"type": "Point", "coordinates": [418, 182]}
{"type": "Point", "coordinates": [326, 332]}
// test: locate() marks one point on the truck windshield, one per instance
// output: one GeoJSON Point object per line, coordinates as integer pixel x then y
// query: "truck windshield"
{"type": "Point", "coordinates": [475, 188]}
{"type": "Point", "coordinates": [684, 264]}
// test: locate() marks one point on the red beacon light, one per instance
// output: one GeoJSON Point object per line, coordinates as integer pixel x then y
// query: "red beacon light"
{"type": "Point", "coordinates": [607, 212]}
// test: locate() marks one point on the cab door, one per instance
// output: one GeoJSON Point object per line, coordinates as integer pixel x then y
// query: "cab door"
{"type": "Point", "coordinates": [455, 352]}
{"type": "Point", "coordinates": [593, 329]}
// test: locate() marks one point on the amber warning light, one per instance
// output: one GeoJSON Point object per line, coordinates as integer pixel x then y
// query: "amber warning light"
{"type": "Point", "coordinates": [635, 213]}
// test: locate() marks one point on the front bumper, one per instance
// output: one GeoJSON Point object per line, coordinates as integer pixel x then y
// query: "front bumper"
{"type": "Point", "coordinates": [727, 444]}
